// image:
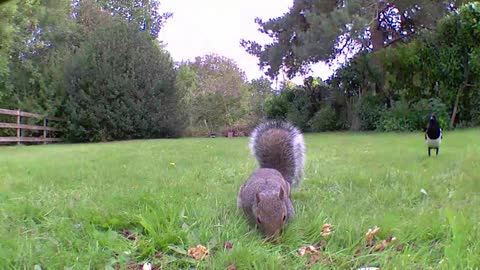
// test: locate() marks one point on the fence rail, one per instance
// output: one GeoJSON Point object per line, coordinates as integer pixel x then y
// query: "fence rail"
{"type": "Point", "coordinates": [19, 127]}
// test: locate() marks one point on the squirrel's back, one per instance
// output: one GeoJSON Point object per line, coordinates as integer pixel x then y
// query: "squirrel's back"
{"type": "Point", "coordinates": [279, 145]}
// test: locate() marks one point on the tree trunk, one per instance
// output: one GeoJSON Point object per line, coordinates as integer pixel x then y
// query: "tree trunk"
{"type": "Point", "coordinates": [466, 74]}
{"type": "Point", "coordinates": [377, 38]}
{"type": "Point", "coordinates": [352, 115]}
{"type": "Point", "coordinates": [455, 108]}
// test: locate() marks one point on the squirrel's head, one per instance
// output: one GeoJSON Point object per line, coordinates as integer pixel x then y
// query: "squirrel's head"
{"type": "Point", "coordinates": [271, 212]}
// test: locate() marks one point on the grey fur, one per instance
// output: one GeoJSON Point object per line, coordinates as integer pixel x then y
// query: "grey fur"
{"type": "Point", "coordinates": [265, 197]}
{"type": "Point", "coordinates": [279, 145]}
{"type": "Point", "coordinates": [268, 213]}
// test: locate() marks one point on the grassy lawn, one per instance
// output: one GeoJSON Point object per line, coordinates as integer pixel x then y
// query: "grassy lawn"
{"type": "Point", "coordinates": [69, 205]}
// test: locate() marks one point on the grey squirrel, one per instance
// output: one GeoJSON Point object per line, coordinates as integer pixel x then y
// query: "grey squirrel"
{"type": "Point", "coordinates": [265, 199]}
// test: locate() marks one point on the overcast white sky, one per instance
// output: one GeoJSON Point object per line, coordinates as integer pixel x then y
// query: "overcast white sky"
{"type": "Point", "coordinates": [217, 26]}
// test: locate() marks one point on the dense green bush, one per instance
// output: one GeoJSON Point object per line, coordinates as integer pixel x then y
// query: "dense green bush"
{"type": "Point", "coordinates": [277, 106]}
{"type": "Point", "coordinates": [422, 110]}
{"type": "Point", "coordinates": [397, 118]}
{"type": "Point", "coordinates": [475, 110]}
{"type": "Point", "coordinates": [120, 85]}
{"type": "Point", "coordinates": [325, 120]}
{"type": "Point", "coordinates": [413, 117]}
{"type": "Point", "coordinates": [298, 111]}
{"type": "Point", "coordinates": [370, 110]}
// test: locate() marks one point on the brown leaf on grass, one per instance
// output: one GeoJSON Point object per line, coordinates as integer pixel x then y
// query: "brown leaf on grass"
{"type": "Point", "coordinates": [325, 234]}
{"type": "Point", "coordinates": [385, 243]}
{"type": "Point", "coordinates": [313, 259]}
{"type": "Point", "coordinates": [321, 244]}
{"type": "Point", "coordinates": [371, 233]}
{"type": "Point", "coordinates": [307, 250]}
{"type": "Point", "coordinates": [400, 247]}
{"type": "Point", "coordinates": [313, 252]}
{"type": "Point", "coordinates": [231, 267]}
{"type": "Point", "coordinates": [359, 252]}
{"type": "Point", "coordinates": [129, 235]}
{"type": "Point", "coordinates": [326, 226]}
{"type": "Point", "coordinates": [227, 245]}
{"type": "Point", "coordinates": [371, 243]}
{"type": "Point", "coordinates": [132, 265]}
{"type": "Point", "coordinates": [199, 252]}
{"type": "Point", "coordinates": [158, 255]}
{"type": "Point", "coordinates": [326, 230]}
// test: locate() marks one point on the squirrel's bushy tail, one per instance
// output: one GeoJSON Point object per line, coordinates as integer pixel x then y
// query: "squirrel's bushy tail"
{"type": "Point", "coordinates": [279, 145]}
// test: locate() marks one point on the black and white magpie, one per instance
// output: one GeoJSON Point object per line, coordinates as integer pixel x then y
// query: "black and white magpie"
{"type": "Point", "coordinates": [433, 134]}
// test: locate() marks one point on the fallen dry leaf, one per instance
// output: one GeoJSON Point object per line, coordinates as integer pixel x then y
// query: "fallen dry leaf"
{"type": "Point", "coordinates": [199, 252]}
{"type": "Point", "coordinates": [326, 229]}
{"type": "Point", "coordinates": [371, 233]}
{"type": "Point", "coordinates": [231, 267]}
{"type": "Point", "coordinates": [321, 244]}
{"type": "Point", "coordinates": [227, 245]}
{"type": "Point", "coordinates": [385, 243]}
{"type": "Point", "coordinates": [129, 235]}
{"type": "Point", "coordinates": [313, 259]}
{"type": "Point", "coordinates": [132, 265]}
{"type": "Point", "coordinates": [400, 247]}
{"type": "Point", "coordinates": [359, 252]}
{"type": "Point", "coordinates": [307, 250]}
{"type": "Point", "coordinates": [371, 243]}
{"type": "Point", "coordinates": [325, 234]}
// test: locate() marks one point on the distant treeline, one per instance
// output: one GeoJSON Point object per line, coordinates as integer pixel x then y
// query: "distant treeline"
{"type": "Point", "coordinates": [100, 65]}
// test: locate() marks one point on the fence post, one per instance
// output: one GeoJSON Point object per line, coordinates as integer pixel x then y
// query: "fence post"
{"type": "Point", "coordinates": [45, 130]}
{"type": "Point", "coordinates": [19, 130]}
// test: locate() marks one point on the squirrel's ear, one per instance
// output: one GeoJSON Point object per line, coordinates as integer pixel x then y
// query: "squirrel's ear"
{"type": "Point", "coordinates": [257, 197]}
{"type": "Point", "coordinates": [281, 194]}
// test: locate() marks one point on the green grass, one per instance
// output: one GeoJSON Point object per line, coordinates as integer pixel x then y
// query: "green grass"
{"type": "Point", "coordinates": [65, 206]}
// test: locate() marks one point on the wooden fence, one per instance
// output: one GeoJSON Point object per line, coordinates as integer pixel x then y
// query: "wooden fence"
{"type": "Point", "coordinates": [46, 137]}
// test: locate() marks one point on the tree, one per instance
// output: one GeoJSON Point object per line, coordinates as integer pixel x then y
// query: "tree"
{"type": "Point", "coordinates": [143, 13]}
{"type": "Point", "coordinates": [214, 89]}
{"type": "Point", "coordinates": [219, 89]}
{"type": "Point", "coordinates": [255, 95]}
{"type": "Point", "coordinates": [296, 103]}
{"type": "Point", "coordinates": [120, 85]}
{"type": "Point", "coordinates": [218, 74]}
{"type": "Point", "coordinates": [314, 31]}
{"type": "Point", "coordinates": [7, 31]}
{"type": "Point", "coordinates": [459, 33]}
{"type": "Point", "coordinates": [39, 31]}
{"type": "Point", "coordinates": [187, 83]}
{"type": "Point", "coordinates": [439, 64]}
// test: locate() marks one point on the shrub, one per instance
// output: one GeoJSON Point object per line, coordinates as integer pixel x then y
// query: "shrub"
{"type": "Point", "coordinates": [402, 117]}
{"type": "Point", "coordinates": [397, 118]}
{"type": "Point", "coordinates": [120, 85]}
{"type": "Point", "coordinates": [370, 110]}
{"type": "Point", "coordinates": [424, 108]}
{"type": "Point", "coordinates": [298, 111]}
{"type": "Point", "coordinates": [276, 107]}
{"type": "Point", "coordinates": [324, 120]}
